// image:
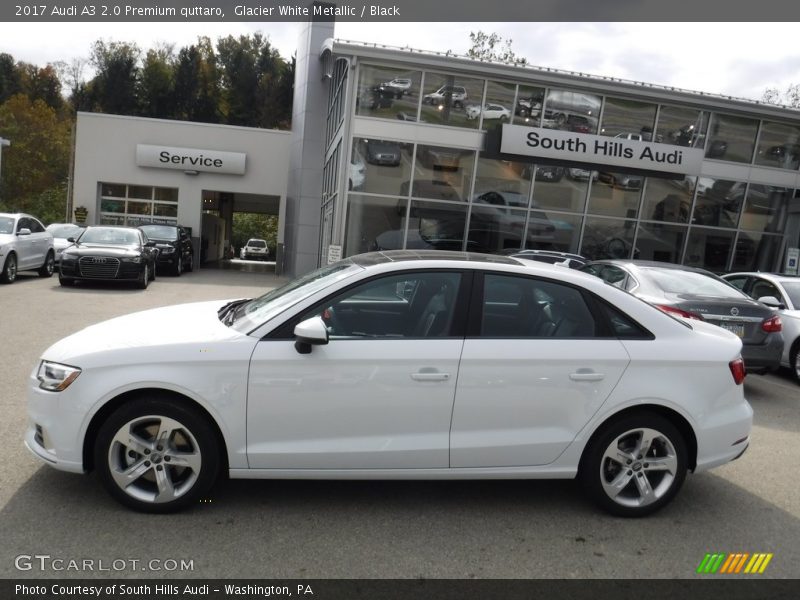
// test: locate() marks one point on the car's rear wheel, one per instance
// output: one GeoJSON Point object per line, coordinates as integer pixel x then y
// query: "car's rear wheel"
{"type": "Point", "coordinates": [635, 465]}
{"type": "Point", "coordinates": [155, 455]}
{"type": "Point", "coordinates": [46, 270]}
{"type": "Point", "coordinates": [9, 274]}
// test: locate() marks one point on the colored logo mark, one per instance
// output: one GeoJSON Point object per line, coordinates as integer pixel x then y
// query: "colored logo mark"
{"type": "Point", "coordinates": [741, 562]}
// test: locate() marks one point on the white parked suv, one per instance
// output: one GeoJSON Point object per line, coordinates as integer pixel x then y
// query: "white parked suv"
{"type": "Point", "coordinates": [255, 249]}
{"type": "Point", "coordinates": [457, 94]}
{"type": "Point", "coordinates": [25, 245]}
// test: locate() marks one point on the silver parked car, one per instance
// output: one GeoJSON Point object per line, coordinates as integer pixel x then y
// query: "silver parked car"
{"type": "Point", "coordinates": [25, 245]}
{"type": "Point", "coordinates": [697, 294]}
{"type": "Point", "coordinates": [781, 293]}
{"type": "Point", "coordinates": [61, 233]}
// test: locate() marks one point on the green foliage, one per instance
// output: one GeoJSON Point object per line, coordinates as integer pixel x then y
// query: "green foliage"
{"type": "Point", "coordinates": [493, 47]}
{"type": "Point", "coordinates": [116, 84]}
{"type": "Point", "coordinates": [251, 225]}
{"type": "Point", "coordinates": [35, 166]}
{"type": "Point", "coordinates": [789, 97]}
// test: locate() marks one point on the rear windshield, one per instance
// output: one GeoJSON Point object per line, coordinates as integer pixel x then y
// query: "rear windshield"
{"type": "Point", "coordinates": [257, 243]}
{"type": "Point", "coordinates": [676, 281]}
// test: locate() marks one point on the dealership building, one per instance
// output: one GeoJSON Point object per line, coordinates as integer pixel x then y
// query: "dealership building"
{"type": "Point", "coordinates": [399, 148]}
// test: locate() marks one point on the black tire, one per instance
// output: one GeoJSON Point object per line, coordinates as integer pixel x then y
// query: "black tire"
{"type": "Point", "coordinates": [66, 281]}
{"type": "Point", "coordinates": [144, 277]}
{"type": "Point", "coordinates": [177, 270]}
{"type": "Point", "coordinates": [160, 484]}
{"type": "Point", "coordinates": [189, 266]}
{"type": "Point", "coordinates": [794, 361]}
{"type": "Point", "coordinates": [153, 271]}
{"type": "Point", "coordinates": [9, 274]}
{"type": "Point", "coordinates": [49, 266]}
{"type": "Point", "coordinates": [616, 484]}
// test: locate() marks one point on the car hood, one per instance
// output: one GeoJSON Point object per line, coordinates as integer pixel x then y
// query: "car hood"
{"type": "Point", "coordinates": [104, 250]}
{"type": "Point", "coordinates": [143, 333]}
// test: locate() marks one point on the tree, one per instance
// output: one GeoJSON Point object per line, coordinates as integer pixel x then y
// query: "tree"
{"type": "Point", "coordinates": [197, 84]}
{"type": "Point", "coordinates": [252, 225]}
{"type": "Point", "coordinates": [789, 97]}
{"type": "Point", "coordinates": [9, 77]}
{"type": "Point", "coordinates": [115, 85]}
{"type": "Point", "coordinates": [41, 84]}
{"type": "Point", "coordinates": [493, 47]}
{"type": "Point", "coordinates": [35, 166]}
{"type": "Point", "coordinates": [157, 83]}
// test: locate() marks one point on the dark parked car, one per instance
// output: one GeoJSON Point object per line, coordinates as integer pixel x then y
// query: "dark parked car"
{"type": "Point", "coordinates": [378, 152]}
{"type": "Point", "coordinates": [175, 249]}
{"type": "Point", "coordinates": [109, 253]}
{"type": "Point", "coordinates": [697, 294]}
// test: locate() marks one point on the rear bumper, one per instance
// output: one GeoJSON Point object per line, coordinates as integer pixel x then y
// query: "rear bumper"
{"type": "Point", "coordinates": [764, 356]}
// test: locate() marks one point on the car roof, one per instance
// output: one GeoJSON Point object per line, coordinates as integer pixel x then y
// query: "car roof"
{"type": "Point", "coordinates": [395, 256]}
{"type": "Point", "coordinates": [773, 276]}
{"type": "Point", "coordinates": [650, 264]}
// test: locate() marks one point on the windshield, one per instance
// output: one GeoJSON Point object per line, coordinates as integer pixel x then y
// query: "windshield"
{"type": "Point", "coordinates": [256, 243]}
{"type": "Point", "coordinates": [792, 289]}
{"type": "Point", "coordinates": [675, 281]}
{"type": "Point", "coordinates": [6, 225]}
{"type": "Point", "coordinates": [255, 313]}
{"type": "Point", "coordinates": [160, 232]}
{"type": "Point", "coordinates": [64, 231]}
{"type": "Point", "coordinates": [110, 236]}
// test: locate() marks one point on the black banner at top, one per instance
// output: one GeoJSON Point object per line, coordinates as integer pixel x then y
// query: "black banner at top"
{"type": "Point", "coordinates": [265, 11]}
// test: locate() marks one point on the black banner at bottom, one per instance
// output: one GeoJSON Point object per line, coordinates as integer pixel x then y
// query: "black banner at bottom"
{"type": "Point", "coordinates": [402, 589]}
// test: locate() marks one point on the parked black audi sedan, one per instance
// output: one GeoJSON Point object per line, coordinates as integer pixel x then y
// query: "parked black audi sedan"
{"type": "Point", "coordinates": [106, 252]}
{"type": "Point", "coordinates": [175, 250]}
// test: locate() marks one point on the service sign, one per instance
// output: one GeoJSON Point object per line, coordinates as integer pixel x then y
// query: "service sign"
{"type": "Point", "coordinates": [190, 159]}
{"type": "Point", "coordinates": [598, 149]}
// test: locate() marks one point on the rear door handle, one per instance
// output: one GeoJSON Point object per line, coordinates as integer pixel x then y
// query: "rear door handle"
{"type": "Point", "coordinates": [586, 375]}
{"type": "Point", "coordinates": [430, 376]}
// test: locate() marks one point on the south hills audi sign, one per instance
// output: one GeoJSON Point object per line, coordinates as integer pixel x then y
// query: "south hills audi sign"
{"type": "Point", "coordinates": [600, 150]}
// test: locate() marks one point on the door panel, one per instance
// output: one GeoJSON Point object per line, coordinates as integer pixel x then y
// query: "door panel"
{"type": "Point", "coordinates": [522, 402]}
{"type": "Point", "coordinates": [352, 404]}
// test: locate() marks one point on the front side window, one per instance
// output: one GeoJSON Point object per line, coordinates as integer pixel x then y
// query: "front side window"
{"type": "Point", "coordinates": [409, 305]}
{"type": "Point", "coordinates": [523, 307]}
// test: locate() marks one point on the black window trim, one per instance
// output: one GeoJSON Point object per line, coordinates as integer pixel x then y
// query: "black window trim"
{"type": "Point", "coordinates": [285, 331]}
{"type": "Point", "coordinates": [605, 330]}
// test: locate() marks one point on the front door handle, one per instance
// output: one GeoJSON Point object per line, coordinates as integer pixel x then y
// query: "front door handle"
{"type": "Point", "coordinates": [586, 375]}
{"type": "Point", "coordinates": [430, 375]}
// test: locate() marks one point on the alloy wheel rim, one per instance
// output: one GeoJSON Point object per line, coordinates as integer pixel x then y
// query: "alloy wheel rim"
{"type": "Point", "coordinates": [797, 364]}
{"type": "Point", "coordinates": [12, 269]}
{"type": "Point", "coordinates": [50, 265]}
{"type": "Point", "coordinates": [639, 467]}
{"type": "Point", "coordinates": [154, 459]}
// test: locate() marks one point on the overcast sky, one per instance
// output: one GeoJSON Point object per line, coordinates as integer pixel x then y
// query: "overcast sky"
{"type": "Point", "coordinates": [737, 59]}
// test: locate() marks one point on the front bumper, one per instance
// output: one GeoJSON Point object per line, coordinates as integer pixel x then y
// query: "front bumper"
{"type": "Point", "coordinates": [126, 272]}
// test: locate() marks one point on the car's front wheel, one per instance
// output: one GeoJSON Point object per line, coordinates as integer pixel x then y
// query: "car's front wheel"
{"type": "Point", "coordinates": [46, 270]}
{"type": "Point", "coordinates": [144, 277]}
{"type": "Point", "coordinates": [190, 264]}
{"type": "Point", "coordinates": [9, 274]}
{"type": "Point", "coordinates": [66, 281]}
{"type": "Point", "coordinates": [155, 455]}
{"type": "Point", "coordinates": [635, 465]}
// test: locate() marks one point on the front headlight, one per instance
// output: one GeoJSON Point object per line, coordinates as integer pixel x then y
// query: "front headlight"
{"type": "Point", "coordinates": [132, 259]}
{"type": "Point", "coordinates": [66, 256]}
{"type": "Point", "coordinates": [55, 377]}
{"type": "Point", "coordinates": [166, 249]}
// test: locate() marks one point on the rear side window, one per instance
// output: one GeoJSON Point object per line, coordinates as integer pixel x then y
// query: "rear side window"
{"type": "Point", "coordinates": [622, 326]}
{"type": "Point", "coordinates": [523, 307]}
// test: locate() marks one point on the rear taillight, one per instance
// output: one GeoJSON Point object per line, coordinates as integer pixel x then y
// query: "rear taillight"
{"type": "Point", "coordinates": [672, 310]}
{"type": "Point", "coordinates": [737, 370]}
{"type": "Point", "coordinates": [772, 325]}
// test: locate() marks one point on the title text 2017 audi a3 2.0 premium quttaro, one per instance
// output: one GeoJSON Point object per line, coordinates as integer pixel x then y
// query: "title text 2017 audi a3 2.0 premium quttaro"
{"type": "Point", "coordinates": [400, 364]}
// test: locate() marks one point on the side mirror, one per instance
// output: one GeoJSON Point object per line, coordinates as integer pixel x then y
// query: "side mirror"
{"type": "Point", "coordinates": [311, 332]}
{"type": "Point", "coordinates": [71, 239]}
{"type": "Point", "coordinates": [772, 302]}
{"type": "Point", "coordinates": [24, 231]}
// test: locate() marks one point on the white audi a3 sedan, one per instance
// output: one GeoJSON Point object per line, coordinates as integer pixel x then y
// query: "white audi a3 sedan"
{"type": "Point", "coordinates": [397, 365]}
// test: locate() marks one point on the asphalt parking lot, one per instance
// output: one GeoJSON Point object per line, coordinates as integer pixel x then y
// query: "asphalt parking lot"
{"type": "Point", "coordinates": [295, 529]}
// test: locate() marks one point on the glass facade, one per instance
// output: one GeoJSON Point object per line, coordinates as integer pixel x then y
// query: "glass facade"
{"type": "Point", "coordinates": [409, 194]}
